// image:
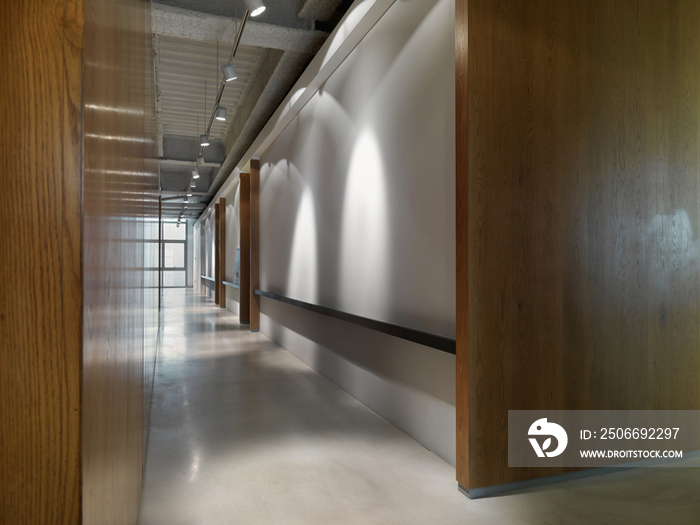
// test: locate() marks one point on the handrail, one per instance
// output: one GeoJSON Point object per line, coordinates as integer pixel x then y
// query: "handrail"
{"type": "Point", "coordinates": [208, 278]}
{"type": "Point", "coordinates": [438, 342]}
{"type": "Point", "coordinates": [231, 285]}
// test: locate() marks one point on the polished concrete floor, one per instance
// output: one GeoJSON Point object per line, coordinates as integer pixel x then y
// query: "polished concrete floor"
{"type": "Point", "coordinates": [242, 432]}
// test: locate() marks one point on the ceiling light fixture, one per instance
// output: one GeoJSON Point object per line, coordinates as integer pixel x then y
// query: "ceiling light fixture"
{"type": "Point", "coordinates": [229, 72]}
{"type": "Point", "coordinates": [200, 160]}
{"type": "Point", "coordinates": [256, 7]}
{"type": "Point", "coordinates": [195, 174]}
{"type": "Point", "coordinates": [203, 140]}
{"type": "Point", "coordinates": [221, 113]}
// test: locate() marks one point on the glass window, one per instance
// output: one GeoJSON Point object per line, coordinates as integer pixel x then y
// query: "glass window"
{"type": "Point", "coordinates": [173, 232]}
{"type": "Point", "coordinates": [174, 255]}
{"type": "Point", "coordinates": [174, 278]}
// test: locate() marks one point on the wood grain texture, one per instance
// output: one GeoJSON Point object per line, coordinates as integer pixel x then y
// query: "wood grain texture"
{"type": "Point", "coordinates": [244, 315]}
{"type": "Point", "coordinates": [217, 253]}
{"type": "Point", "coordinates": [581, 213]}
{"type": "Point", "coordinates": [222, 251]}
{"type": "Point", "coordinates": [254, 243]}
{"type": "Point", "coordinates": [40, 275]}
{"type": "Point", "coordinates": [462, 242]}
{"type": "Point", "coordinates": [120, 180]}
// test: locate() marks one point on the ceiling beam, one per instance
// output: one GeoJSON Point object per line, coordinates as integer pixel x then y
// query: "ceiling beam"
{"type": "Point", "coordinates": [195, 25]}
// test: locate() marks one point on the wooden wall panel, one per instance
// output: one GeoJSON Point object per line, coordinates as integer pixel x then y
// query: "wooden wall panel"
{"type": "Point", "coordinates": [120, 178]}
{"type": "Point", "coordinates": [40, 278]}
{"type": "Point", "coordinates": [254, 243]}
{"type": "Point", "coordinates": [244, 315]}
{"type": "Point", "coordinates": [462, 241]}
{"type": "Point", "coordinates": [578, 172]}
{"type": "Point", "coordinates": [73, 313]}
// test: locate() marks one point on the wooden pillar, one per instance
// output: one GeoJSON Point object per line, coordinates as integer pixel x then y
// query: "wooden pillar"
{"type": "Point", "coordinates": [217, 250]}
{"type": "Point", "coordinates": [254, 244]}
{"type": "Point", "coordinates": [567, 165]}
{"type": "Point", "coordinates": [245, 248]}
{"type": "Point", "coordinates": [221, 263]}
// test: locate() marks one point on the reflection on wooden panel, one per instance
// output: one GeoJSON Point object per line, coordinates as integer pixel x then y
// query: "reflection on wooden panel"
{"type": "Point", "coordinates": [583, 169]}
{"type": "Point", "coordinates": [40, 278]}
{"type": "Point", "coordinates": [244, 315]}
{"type": "Point", "coordinates": [120, 188]}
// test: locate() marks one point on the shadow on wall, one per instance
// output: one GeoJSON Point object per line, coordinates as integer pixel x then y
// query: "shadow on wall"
{"type": "Point", "coordinates": [358, 191]}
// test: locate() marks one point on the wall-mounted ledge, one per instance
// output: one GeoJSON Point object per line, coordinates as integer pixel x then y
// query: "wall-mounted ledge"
{"type": "Point", "coordinates": [232, 285]}
{"type": "Point", "coordinates": [435, 341]}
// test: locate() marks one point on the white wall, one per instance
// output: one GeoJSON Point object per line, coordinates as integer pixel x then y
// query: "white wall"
{"type": "Point", "coordinates": [190, 252]}
{"type": "Point", "coordinates": [207, 253]}
{"type": "Point", "coordinates": [358, 213]}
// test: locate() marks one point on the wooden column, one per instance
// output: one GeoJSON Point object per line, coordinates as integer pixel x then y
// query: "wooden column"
{"type": "Point", "coordinates": [462, 240]}
{"type": "Point", "coordinates": [254, 244]}
{"type": "Point", "coordinates": [221, 263]}
{"type": "Point", "coordinates": [245, 248]}
{"type": "Point", "coordinates": [217, 253]}
{"type": "Point", "coordinates": [74, 314]}
{"type": "Point", "coordinates": [577, 215]}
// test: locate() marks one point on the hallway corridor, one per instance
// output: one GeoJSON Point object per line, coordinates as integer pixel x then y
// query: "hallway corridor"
{"type": "Point", "coordinates": [243, 432]}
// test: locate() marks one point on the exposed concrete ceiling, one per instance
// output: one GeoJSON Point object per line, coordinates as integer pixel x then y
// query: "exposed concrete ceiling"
{"type": "Point", "coordinates": [192, 39]}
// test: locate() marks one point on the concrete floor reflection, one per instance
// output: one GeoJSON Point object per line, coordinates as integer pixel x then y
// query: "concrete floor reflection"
{"type": "Point", "coordinates": [243, 432]}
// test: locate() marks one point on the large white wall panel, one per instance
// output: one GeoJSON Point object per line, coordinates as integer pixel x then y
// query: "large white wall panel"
{"type": "Point", "coordinates": [358, 213]}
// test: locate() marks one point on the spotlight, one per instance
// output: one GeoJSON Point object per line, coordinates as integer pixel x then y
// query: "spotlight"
{"type": "Point", "coordinates": [229, 72]}
{"type": "Point", "coordinates": [204, 140]}
{"type": "Point", "coordinates": [195, 174]}
{"type": "Point", "coordinates": [221, 113]}
{"type": "Point", "coordinates": [200, 160]}
{"type": "Point", "coordinates": [256, 7]}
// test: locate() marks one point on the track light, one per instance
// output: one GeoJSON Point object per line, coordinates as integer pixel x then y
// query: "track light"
{"type": "Point", "coordinates": [195, 174]}
{"type": "Point", "coordinates": [189, 195]}
{"type": "Point", "coordinates": [221, 113]}
{"type": "Point", "coordinates": [229, 72]}
{"type": "Point", "coordinates": [256, 7]}
{"type": "Point", "coordinates": [200, 160]}
{"type": "Point", "coordinates": [204, 140]}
